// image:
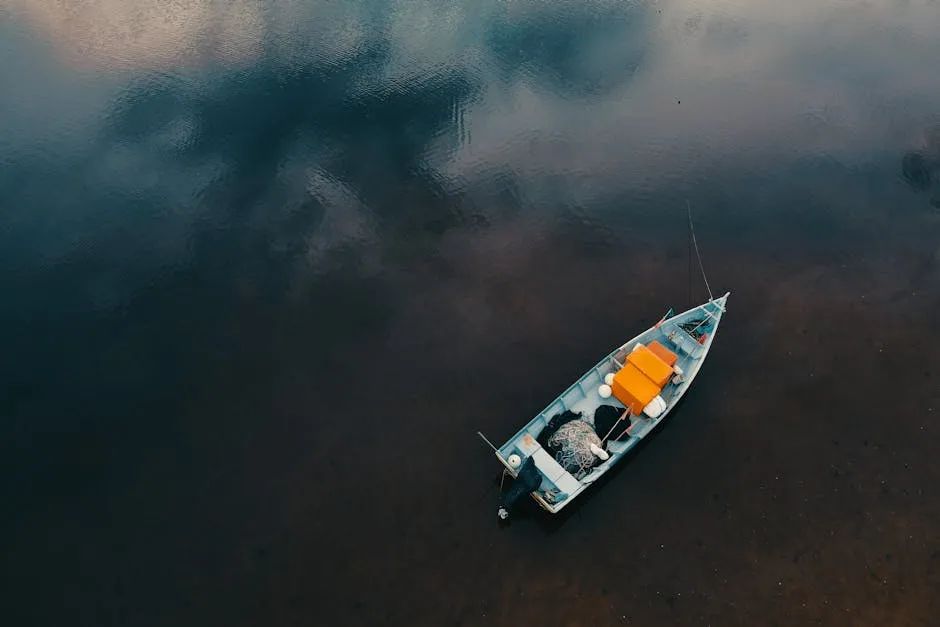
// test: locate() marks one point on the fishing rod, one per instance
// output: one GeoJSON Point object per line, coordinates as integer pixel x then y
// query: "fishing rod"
{"type": "Point", "coordinates": [701, 266]}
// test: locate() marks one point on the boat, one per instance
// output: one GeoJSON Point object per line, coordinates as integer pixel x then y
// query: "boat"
{"type": "Point", "coordinates": [644, 379]}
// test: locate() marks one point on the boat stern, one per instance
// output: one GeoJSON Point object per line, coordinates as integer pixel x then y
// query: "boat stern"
{"type": "Point", "coordinates": [554, 485]}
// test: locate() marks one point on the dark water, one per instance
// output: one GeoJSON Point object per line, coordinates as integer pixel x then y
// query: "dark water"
{"type": "Point", "coordinates": [267, 267]}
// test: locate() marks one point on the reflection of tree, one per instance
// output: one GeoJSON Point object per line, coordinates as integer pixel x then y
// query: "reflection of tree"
{"type": "Point", "coordinates": [321, 164]}
{"type": "Point", "coordinates": [916, 169]}
{"type": "Point", "coordinates": [314, 159]}
{"type": "Point", "coordinates": [921, 168]}
{"type": "Point", "coordinates": [298, 147]}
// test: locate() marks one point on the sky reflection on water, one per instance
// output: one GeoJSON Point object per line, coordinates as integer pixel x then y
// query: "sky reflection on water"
{"type": "Point", "coordinates": [215, 215]}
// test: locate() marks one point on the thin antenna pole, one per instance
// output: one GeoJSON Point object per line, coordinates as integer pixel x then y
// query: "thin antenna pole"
{"type": "Point", "coordinates": [496, 450]}
{"type": "Point", "coordinates": [697, 253]}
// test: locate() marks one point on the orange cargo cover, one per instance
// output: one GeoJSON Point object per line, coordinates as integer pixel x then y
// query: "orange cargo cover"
{"type": "Point", "coordinates": [663, 353]}
{"type": "Point", "coordinates": [652, 366]}
{"type": "Point", "coordinates": [633, 388]}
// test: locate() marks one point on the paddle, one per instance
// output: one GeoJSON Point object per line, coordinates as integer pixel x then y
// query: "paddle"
{"type": "Point", "coordinates": [625, 413]}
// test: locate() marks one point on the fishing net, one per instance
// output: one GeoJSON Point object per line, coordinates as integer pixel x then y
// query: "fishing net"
{"type": "Point", "coordinates": [695, 328]}
{"type": "Point", "coordinates": [572, 447]}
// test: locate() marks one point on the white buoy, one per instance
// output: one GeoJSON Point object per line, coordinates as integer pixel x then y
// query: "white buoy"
{"type": "Point", "coordinates": [604, 391]}
{"type": "Point", "coordinates": [514, 460]}
{"type": "Point", "coordinates": [609, 378]}
{"type": "Point", "coordinates": [599, 452]}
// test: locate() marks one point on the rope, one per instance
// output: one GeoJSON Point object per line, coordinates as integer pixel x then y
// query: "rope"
{"type": "Point", "coordinates": [697, 254]}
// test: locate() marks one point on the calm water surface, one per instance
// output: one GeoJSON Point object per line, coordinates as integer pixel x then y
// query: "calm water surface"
{"type": "Point", "coordinates": [267, 266]}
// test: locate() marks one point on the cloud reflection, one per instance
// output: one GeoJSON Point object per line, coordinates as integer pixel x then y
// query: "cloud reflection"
{"type": "Point", "coordinates": [723, 80]}
{"type": "Point", "coordinates": [385, 126]}
{"type": "Point", "coordinates": [141, 34]}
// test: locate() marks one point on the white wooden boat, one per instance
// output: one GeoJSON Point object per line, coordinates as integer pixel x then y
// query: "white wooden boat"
{"type": "Point", "coordinates": [687, 337]}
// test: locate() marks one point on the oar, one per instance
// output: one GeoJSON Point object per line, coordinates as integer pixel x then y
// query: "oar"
{"type": "Point", "coordinates": [625, 413]}
{"type": "Point", "coordinates": [663, 319]}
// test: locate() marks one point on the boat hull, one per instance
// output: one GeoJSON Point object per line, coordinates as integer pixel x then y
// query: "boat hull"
{"type": "Point", "coordinates": [559, 488]}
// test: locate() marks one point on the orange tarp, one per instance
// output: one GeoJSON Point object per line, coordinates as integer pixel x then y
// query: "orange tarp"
{"type": "Point", "coordinates": [633, 388]}
{"type": "Point", "coordinates": [649, 364]}
{"type": "Point", "coordinates": [663, 353]}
